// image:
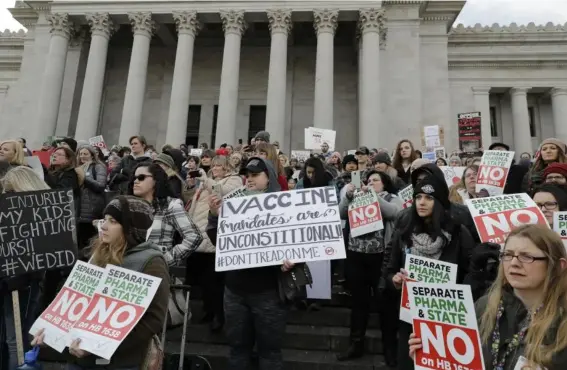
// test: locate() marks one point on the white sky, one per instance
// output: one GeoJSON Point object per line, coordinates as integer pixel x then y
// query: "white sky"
{"type": "Point", "coordinates": [485, 12]}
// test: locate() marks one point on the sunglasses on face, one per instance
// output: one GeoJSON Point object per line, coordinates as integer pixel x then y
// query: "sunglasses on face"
{"type": "Point", "coordinates": [141, 178]}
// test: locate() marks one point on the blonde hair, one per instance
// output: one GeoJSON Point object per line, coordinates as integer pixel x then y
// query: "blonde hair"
{"type": "Point", "coordinates": [286, 159]}
{"type": "Point", "coordinates": [554, 306]}
{"type": "Point", "coordinates": [23, 178]}
{"type": "Point", "coordinates": [224, 161]}
{"type": "Point", "coordinates": [104, 253]}
{"type": "Point", "coordinates": [19, 157]}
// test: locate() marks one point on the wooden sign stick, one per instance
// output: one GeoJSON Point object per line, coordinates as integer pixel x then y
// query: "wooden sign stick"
{"type": "Point", "coordinates": [18, 326]}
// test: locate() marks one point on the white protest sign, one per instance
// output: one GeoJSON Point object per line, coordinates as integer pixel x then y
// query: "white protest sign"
{"type": "Point", "coordinates": [315, 137]}
{"type": "Point", "coordinates": [266, 229]}
{"type": "Point", "coordinates": [353, 152]}
{"type": "Point", "coordinates": [444, 318]}
{"type": "Point", "coordinates": [495, 217]}
{"type": "Point", "coordinates": [430, 156]}
{"type": "Point", "coordinates": [321, 274]}
{"type": "Point", "coordinates": [427, 270]}
{"type": "Point", "coordinates": [560, 225]}
{"type": "Point", "coordinates": [453, 175]}
{"type": "Point", "coordinates": [196, 152]}
{"type": "Point", "coordinates": [406, 194]}
{"type": "Point", "coordinates": [238, 192]}
{"type": "Point", "coordinates": [440, 152]}
{"type": "Point", "coordinates": [493, 171]}
{"type": "Point", "coordinates": [98, 141]}
{"type": "Point", "coordinates": [301, 155]}
{"type": "Point", "coordinates": [364, 215]}
{"type": "Point", "coordinates": [119, 302]}
{"type": "Point", "coordinates": [69, 305]}
{"type": "Point", "coordinates": [35, 163]}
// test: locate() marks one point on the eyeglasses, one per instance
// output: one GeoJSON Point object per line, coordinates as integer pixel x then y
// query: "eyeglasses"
{"type": "Point", "coordinates": [523, 258]}
{"type": "Point", "coordinates": [547, 205]}
{"type": "Point", "coordinates": [142, 177]}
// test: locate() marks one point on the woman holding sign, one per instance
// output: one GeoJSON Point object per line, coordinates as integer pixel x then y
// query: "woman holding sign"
{"type": "Point", "coordinates": [432, 233]}
{"type": "Point", "coordinates": [523, 318]}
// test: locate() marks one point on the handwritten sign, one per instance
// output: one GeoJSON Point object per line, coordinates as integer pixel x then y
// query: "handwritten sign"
{"type": "Point", "coordinates": [426, 270]}
{"type": "Point", "coordinates": [301, 155]}
{"type": "Point", "coordinates": [493, 171]}
{"type": "Point", "coordinates": [37, 231]}
{"type": "Point", "coordinates": [453, 175]}
{"type": "Point", "coordinates": [315, 137]}
{"type": "Point", "coordinates": [406, 194]}
{"type": "Point", "coordinates": [98, 141]}
{"type": "Point", "coordinates": [445, 320]}
{"type": "Point", "coordinates": [119, 302]}
{"type": "Point", "coordinates": [69, 305]}
{"type": "Point", "coordinates": [196, 152]}
{"type": "Point", "coordinates": [495, 217]}
{"type": "Point", "coordinates": [266, 229]}
{"type": "Point", "coordinates": [364, 214]}
{"type": "Point", "coordinates": [560, 225]}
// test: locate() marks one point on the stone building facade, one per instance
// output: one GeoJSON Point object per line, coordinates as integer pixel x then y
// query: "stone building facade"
{"type": "Point", "coordinates": [217, 71]}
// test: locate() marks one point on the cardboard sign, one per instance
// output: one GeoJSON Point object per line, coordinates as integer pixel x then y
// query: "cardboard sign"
{"type": "Point", "coordinates": [301, 155]}
{"type": "Point", "coordinates": [453, 175]}
{"type": "Point", "coordinates": [315, 137]}
{"type": "Point", "coordinates": [266, 229]}
{"type": "Point", "coordinates": [364, 215]}
{"type": "Point", "coordinates": [69, 305]}
{"type": "Point", "coordinates": [445, 320]}
{"type": "Point", "coordinates": [406, 194]}
{"type": "Point", "coordinates": [196, 152]}
{"type": "Point", "coordinates": [37, 231]}
{"type": "Point", "coordinates": [495, 217]}
{"type": "Point", "coordinates": [98, 141]}
{"type": "Point", "coordinates": [470, 138]}
{"type": "Point", "coordinates": [427, 270]}
{"type": "Point", "coordinates": [493, 171]}
{"type": "Point", "coordinates": [560, 225]}
{"type": "Point", "coordinates": [119, 302]}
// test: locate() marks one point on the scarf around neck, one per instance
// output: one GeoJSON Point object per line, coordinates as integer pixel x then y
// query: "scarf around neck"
{"type": "Point", "coordinates": [423, 245]}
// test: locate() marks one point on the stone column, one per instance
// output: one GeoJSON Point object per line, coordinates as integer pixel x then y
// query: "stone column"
{"type": "Point", "coordinates": [371, 22]}
{"type": "Point", "coordinates": [234, 27]}
{"type": "Point", "coordinates": [559, 105]}
{"type": "Point", "coordinates": [482, 105]}
{"type": "Point", "coordinates": [325, 23]}
{"type": "Point", "coordinates": [143, 27]}
{"type": "Point", "coordinates": [101, 29]}
{"type": "Point", "coordinates": [52, 81]}
{"type": "Point", "coordinates": [280, 27]}
{"type": "Point", "coordinates": [521, 120]}
{"type": "Point", "coordinates": [187, 27]}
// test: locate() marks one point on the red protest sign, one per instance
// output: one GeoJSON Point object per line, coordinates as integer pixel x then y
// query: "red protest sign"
{"type": "Point", "coordinates": [405, 296]}
{"type": "Point", "coordinates": [364, 214]}
{"type": "Point", "coordinates": [67, 308]}
{"type": "Point", "coordinates": [446, 345]}
{"type": "Point", "coordinates": [492, 175]}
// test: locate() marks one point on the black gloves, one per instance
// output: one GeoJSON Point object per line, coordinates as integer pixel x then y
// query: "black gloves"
{"type": "Point", "coordinates": [485, 257]}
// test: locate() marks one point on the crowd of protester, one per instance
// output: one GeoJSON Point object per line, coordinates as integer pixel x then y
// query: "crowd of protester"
{"type": "Point", "coordinates": [161, 207]}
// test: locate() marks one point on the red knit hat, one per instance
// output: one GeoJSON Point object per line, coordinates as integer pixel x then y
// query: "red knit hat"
{"type": "Point", "coordinates": [560, 168]}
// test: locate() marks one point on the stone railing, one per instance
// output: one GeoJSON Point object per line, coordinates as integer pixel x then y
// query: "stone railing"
{"type": "Point", "coordinates": [7, 33]}
{"type": "Point", "coordinates": [512, 28]}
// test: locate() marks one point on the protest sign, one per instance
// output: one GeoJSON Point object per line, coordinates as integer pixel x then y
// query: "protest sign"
{"type": "Point", "coordinates": [493, 171]}
{"type": "Point", "coordinates": [430, 156]}
{"type": "Point", "coordinates": [321, 274]}
{"type": "Point", "coordinates": [560, 225]}
{"type": "Point", "coordinates": [69, 305]}
{"type": "Point", "coordinates": [119, 302]}
{"type": "Point", "coordinates": [470, 139]}
{"type": "Point", "coordinates": [37, 231]}
{"type": "Point", "coordinates": [406, 194]}
{"type": "Point", "coordinates": [238, 192]}
{"type": "Point", "coordinates": [301, 155]}
{"type": "Point", "coordinates": [495, 217]}
{"type": "Point", "coordinates": [44, 156]}
{"type": "Point", "coordinates": [427, 270]}
{"type": "Point", "coordinates": [98, 141]}
{"type": "Point", "coordinates": [432, 136]}
{"type": "Point", "coordinates": [364, 215]}
{"type": "Point", "coordinates": [34, 162]}
{"type": "Point", "coordinates": [352, 152]}
{"type": "Point", "coordinates": [445, 320]}
{"type": "Point", "coordinates": [453, 175]}
{"type": "Point", "coordinates": [440, 153]}
{"type": "Point", "coordinates": [196, 152]}
{"type": "Point", "coordinates": [315, 137]}
{"type": "Point", "coordinates": [266, 229]}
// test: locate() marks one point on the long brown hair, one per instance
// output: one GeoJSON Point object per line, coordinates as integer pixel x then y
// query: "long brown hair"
{"type": "Point", "coordinates": [398, 161]}
{"type": "Point", "coordinates": [271, 155]}
{"type": "Point", "coordinates": [70, 155]}
{"type": "Point", "coordinates": [104, 253]}
{"type": "Point", "coordinates": [554, 306]}
{"type": "Point", "coordinates": [539, 164]}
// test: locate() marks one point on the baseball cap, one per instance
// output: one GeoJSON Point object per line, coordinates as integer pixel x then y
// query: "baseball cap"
{"type": "Point", "coordinates": [362, 150]}
{"type": "Point", "coordinates": [256, 165]}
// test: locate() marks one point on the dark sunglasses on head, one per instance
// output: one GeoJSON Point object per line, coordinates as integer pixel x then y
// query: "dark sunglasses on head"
{"type": "Point", "coordinates": [142, 177]}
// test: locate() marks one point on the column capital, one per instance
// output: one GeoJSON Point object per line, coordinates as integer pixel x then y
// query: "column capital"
{"type": "Point", "coordinates": [481, 90]}
{"type": "Point", "coordinates": [101, 24]}
{"type": "Point", "coordinates": [371, 20]}
{"type": "Point", "coordinates": [233, 22]}
{"type": "Point", "coordinates": [556, 91]}
{"type": "Point", "coordinates": [325, 20]}
{"type": "Point", "coordinates": [280, 21]}
{"type": "Point", "coordinates": [60, 25]}
{"type": "Point", "coordinates": [142, 23]}
{"type": "Point", "coordinates": [515, 91]}
{"type": "Point", "coordinates": [186, 22]}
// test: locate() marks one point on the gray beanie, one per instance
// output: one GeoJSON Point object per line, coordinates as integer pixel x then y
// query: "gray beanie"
{"type": "Point", "coordinates": [263, 135]}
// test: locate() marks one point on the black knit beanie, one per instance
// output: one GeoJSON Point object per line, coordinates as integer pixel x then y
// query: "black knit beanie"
{"type": "Point", "coordinates": [134, 214]}
{"type": "Point", "coordinates": [431, 185]}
